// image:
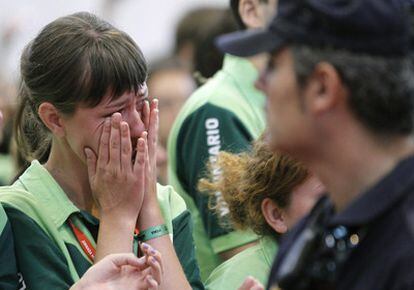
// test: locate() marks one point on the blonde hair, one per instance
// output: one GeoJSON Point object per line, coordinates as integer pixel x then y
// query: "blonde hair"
{"type": "Point", "coordinates": [246, 179]}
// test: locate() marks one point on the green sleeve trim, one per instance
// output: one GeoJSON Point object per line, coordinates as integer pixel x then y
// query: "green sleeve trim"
{"type": "Point", "coordinates": [171, 205]}
{"type": "Point", "coordinates": [3, 219]}
{"type": "Point", "coordinates": [184, 247]}
{"type": "Point", "coordinates": [233, 240]}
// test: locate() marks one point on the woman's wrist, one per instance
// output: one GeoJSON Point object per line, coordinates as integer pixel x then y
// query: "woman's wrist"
{"type": "Point", "coordinates": [118, 216]}
{"type": "Point", "coordinates": [118, 221]}
{"type": "Point", "coordinates": [150, 215]}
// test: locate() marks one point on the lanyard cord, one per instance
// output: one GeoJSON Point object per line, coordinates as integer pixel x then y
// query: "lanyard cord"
{"type": "Point", "coordinates": [85, 243]}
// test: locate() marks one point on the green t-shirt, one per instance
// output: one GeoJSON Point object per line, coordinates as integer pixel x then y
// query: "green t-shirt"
{"type": "Point", "coordinates": [9, 279]}
{"type": "Point", "coordinates": [225, 114]}
{"type": "Point", "coordinates": [255, 261]}
{"type": "Point", "coordinates": [49, 255]}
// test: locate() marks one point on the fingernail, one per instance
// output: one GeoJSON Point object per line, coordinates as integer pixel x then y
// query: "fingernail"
{"type": "Point", "coordinates": [141, 142]}
{"type": "Point", "coordinates": [153, 252]}
{"type": "Point", "coordinates": [145, 246]}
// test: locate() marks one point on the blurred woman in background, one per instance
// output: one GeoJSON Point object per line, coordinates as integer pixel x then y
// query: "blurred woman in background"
{"type": "Point", "coordinates": [265, 192]}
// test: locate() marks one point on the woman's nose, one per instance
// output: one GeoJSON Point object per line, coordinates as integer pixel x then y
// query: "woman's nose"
{"type": "Point", "coordinates": [136, 125]}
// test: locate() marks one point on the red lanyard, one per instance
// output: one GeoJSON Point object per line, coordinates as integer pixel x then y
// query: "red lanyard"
{"type": "Point", "coordinates": [85, 243]}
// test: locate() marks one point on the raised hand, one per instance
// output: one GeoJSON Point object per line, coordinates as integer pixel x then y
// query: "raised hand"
{"type": "Point", "coordinates": [151, 121]}
{"type": "Point", "coordinates": [150, 118]}
{"type": "Point", "coordinates": [122, 271]}
{"type": "Point", "coordinates": [117, 178]}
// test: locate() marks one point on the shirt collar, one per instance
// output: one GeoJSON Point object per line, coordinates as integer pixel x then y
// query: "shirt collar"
{"type": "Point", "coordinates": [38, 181]}
{"type": "Point", "coordinates": [380, 198]}
{"type": "Point", "coordinates": [243, 72]}
{"type": "Point", "coordinates": [269, 246]}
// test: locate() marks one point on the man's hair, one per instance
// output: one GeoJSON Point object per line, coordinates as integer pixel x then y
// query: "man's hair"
{"type": "Point", "coordinates": [381, 90]}
{"type": "Point", "coordinates": [234, 5]}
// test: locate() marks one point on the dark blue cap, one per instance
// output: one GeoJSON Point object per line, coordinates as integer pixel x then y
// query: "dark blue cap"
{"type": "Point", "coordinates": [375, 27]}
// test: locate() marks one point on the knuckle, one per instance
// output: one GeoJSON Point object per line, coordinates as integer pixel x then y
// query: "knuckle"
{"type": "Point", "coordinates": [126, 150]}
{"type": "Point", "coordinates": [115, 144]}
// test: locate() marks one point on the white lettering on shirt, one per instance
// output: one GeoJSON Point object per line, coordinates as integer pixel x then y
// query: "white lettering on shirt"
{"type": "Point", "coordinates": [22, 284]}
{"type": "Point", "coordinates": [214, 146]}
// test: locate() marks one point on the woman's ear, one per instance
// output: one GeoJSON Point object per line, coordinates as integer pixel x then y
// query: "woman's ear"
{"type": "Point", "coordinates": [52, 118]}
{"type": "Point", "coordinates": [274, 215]}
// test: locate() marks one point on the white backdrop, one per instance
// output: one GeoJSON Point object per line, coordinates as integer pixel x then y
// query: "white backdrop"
{"type": "Point", "coordinates": [150, 22]}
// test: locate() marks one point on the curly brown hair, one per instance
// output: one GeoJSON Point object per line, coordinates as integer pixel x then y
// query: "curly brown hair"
{"type": "Point", "coordinates": [247, 179]}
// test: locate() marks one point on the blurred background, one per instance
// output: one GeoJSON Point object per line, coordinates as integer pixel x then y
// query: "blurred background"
{"type": "Point", "coordinates": [152, 23]}
{"type": "Point", "coordinates": [176, 37]}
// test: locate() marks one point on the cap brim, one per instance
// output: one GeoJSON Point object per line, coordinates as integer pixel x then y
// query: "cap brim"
{"type": "Point", "coordinates": [249, 42]}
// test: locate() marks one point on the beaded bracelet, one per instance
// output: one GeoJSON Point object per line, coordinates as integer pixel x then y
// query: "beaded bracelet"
{"type": "Point", "coordinates": [153, 232]}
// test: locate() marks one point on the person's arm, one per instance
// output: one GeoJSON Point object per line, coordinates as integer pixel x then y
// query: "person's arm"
{"type": "Point", "coordinates": [203, 134]}
{"type": "Point", "coordinates": [150, 214]}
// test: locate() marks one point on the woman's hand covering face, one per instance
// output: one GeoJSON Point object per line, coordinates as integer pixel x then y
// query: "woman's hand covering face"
{"type": "Point", "coordinates": [117, 172]}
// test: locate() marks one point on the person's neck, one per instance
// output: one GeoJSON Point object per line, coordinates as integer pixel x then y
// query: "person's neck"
{"type": "Point", "coordinates": [351, 163]}
{"type": "Point", "coordinates": [72, 176]}
{"type": "Point", "coordinates": [259, 61]}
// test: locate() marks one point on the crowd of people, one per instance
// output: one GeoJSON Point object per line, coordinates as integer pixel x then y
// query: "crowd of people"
{"type": "Point", "coordinates": [272, 150]}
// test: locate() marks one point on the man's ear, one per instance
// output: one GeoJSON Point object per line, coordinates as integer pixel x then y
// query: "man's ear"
{"type": "Point", "coordinates": [250, 14]}
{"type": "Point", "coordinates": [274, 216]}
{"type": "Point", "coordinates": [52, 118]}
{"type": "Point", "coordinates": [325, 89]}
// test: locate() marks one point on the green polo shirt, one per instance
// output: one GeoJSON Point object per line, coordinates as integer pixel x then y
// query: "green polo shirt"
{"type": "Point", "coordinates": [9, 279]}
{"type": "Point", "coordinates": [255, 261]}
{"type": "Point", "coordinates": [225, 114]}
{"type": "Point", "coordinates": [49, 255]}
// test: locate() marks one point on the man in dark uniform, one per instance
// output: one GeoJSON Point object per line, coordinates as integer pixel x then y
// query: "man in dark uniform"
{"type": "Point", "coordinates": [340, 97]}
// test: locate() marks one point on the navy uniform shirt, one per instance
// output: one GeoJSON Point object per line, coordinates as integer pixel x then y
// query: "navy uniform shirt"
{"type": "Point", "coordinates": [380, 224]}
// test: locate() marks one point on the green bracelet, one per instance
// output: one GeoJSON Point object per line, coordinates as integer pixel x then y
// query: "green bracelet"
{"type": "Point", "coordinates": [153, 232]}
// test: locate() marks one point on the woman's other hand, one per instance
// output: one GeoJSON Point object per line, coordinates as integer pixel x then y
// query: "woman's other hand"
{"type": "Point", "coordinates": [121, 271]}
